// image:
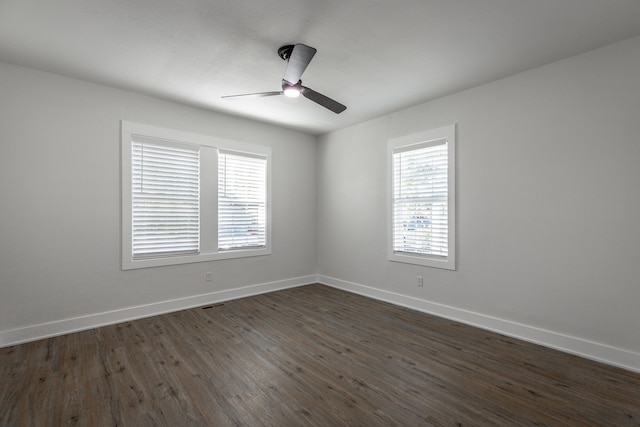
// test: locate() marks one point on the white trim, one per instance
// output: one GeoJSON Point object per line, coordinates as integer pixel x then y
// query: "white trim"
{"type": "Point", "coordinates": [588, 349]}
{"type": "Point", "coordinates": [419, 140]}
{"type": "Point", "coordinates": [81, 323]}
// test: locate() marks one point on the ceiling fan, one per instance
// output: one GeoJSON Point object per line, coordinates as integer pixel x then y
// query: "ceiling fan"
{"type": "Point", "coordinates": [298, 57]}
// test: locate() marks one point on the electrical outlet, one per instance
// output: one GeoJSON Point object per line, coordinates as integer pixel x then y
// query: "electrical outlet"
{"type": "Point", "coordinates": [208, 276]}
{"type": "Point", "coordinates": [420, 281]}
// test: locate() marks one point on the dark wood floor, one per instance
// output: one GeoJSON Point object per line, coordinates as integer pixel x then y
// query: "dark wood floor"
{"type": "Point", "coordinates": [310, 356]}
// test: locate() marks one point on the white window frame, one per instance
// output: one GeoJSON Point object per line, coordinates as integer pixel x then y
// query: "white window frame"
{"type": "Point", "coordinates": [209, 147]}
{"type": "Point", "coordinates": [419, 140]}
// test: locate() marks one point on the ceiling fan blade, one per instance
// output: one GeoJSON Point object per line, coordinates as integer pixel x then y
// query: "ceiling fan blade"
{"type": "Point", "coordinates": [325, 101]}
{"type": "Point", "coordinates": [254, 95]}
{"type": "Point", "coordinates": [298, 61]}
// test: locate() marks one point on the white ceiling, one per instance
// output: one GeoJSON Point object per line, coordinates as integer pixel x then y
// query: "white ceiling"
{"type": "Point", "coordinates": [375, 56]}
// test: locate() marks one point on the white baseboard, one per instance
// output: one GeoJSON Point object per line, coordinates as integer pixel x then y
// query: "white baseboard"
{"type": "Point", "coordinates": [591, 350]}
{"type": "Point", "coordinates": [588, 349]}
{"type": "Point", "coordinates": [65, 326]}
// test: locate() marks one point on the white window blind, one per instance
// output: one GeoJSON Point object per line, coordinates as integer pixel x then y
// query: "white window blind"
{"type": "Point", "coordinates": [420, 199]}
{"type": "Point", "coordinates": [165, 199]}
{"type": "Point", "coordinates": [242, 196]}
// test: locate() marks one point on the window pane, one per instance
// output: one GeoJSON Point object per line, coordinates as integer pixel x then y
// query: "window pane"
{"type": "Point", "coordinates": [242, 210]}
{"type": "Point", "coordinates": [165, 200]}
{"type": "Point", "coordinates": [420, 213]}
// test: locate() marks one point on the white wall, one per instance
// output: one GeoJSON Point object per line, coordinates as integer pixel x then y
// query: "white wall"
{"type": "Point", "coordinates": [60, 208]}
{"type": "Point", "coordinates": [548, 206]}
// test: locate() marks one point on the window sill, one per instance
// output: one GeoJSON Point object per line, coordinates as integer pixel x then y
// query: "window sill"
{"type": "Point", "coordinates": [426, 261]}
{"type": "Point", "coordinates": [188, 259]}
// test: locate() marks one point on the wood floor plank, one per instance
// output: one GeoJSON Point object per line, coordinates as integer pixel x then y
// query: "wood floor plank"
{"type": "Point", "coordinates": [308, 356]}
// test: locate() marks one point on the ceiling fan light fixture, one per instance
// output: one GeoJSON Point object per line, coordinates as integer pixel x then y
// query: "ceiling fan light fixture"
{"type": "Point", "coordinates": [291, 92]}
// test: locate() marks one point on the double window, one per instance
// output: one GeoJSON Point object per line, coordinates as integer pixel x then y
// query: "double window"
{"type": "Point", "coordinates": [189, 198]}
{"type": "Point", "coordinates": [422, 199]}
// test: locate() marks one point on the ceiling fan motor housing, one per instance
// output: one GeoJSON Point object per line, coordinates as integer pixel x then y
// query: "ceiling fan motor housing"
{"type": "Point", "coordinates": [286, 85]}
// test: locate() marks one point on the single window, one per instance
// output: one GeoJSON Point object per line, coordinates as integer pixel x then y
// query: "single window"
{"type": "Point", "coordinates": [422, 199]}
{"type": "Point", "coordinates": [190, 198]}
